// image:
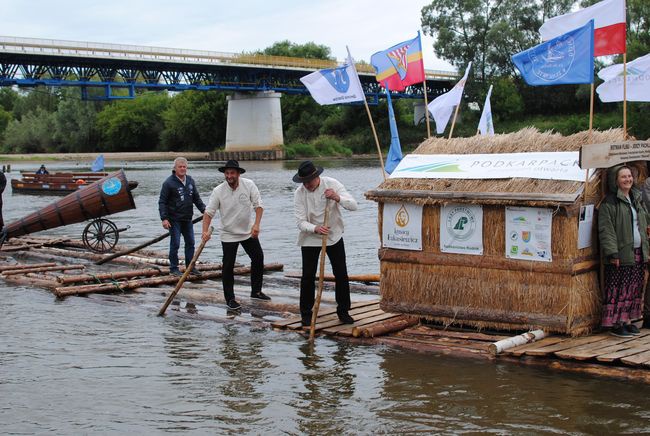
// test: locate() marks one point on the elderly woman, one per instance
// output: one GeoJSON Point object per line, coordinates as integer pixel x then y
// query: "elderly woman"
{"type": "Point", "coordinates": [622, 228]}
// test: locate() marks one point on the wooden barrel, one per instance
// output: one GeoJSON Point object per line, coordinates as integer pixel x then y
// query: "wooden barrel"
{"type": "Point", "coordinates": [109, 195]}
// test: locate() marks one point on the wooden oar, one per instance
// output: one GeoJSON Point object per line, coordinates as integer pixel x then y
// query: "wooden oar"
{"type": "Point", "coordinates": [179, 285]}
{"type": "Point", "coordinates": [139, 247]}
{"type": "Point", "coordinates": [321, 276]}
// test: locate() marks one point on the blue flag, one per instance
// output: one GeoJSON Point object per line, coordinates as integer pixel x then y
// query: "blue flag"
{"type": "Point", "coordinates": [567, 59]}
{"type": "Point", "coordinates": [98, 165]}
{"type": "Point", "coordinates": [395, 152]}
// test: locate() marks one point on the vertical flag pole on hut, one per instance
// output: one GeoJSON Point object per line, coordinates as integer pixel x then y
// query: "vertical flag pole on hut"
{"type": "Point", "coordinates": [340, 85]}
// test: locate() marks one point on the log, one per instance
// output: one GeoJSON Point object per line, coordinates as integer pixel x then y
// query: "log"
{"type": "Point", "coordinates": [385, 327]}
{"type": "Point", "coordinates": [556, 322]}
{"type": "Point", "coordinates": [515, 341]}
{"type": "Point", "coordinates": [62, 252]}
{"type": "Point", "coordinates": [42, 269]}
{"type": "Point", "coordinates": [69, 279]}
{"type": "Point", "coordinates": [141, 246]}
{"type": "Point", "coordinates": [558, 266]}
{"type": "Point", "coordinates": [25, 266]}
{"type": "Point", "coordinates": [152, 281]}
{"type": "Point", "coordinates": [364, 278]}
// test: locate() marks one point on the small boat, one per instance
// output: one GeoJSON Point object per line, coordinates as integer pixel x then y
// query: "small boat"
{"type": "Point", "coordinates": [53, 183]}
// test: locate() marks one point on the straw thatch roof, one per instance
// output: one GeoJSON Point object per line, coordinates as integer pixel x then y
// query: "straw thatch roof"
{"type": "Point", "coordinates": [534, 192]}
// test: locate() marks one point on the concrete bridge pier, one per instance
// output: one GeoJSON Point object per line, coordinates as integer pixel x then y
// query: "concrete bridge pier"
{"type": "Point", "coordinates": [254, 122]}
{"type": "Point", "coordinates": [419, 116]}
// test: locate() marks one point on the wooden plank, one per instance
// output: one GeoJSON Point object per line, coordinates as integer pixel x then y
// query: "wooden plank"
{"type": "Point", "coordinates": [563, 345]}
{"type": "Point", "coordinates": [627, 349]}
{"type": "Point", "coordinates": [589, 351]}
{"type": "Point", "coordinates": [518, 351]}
{"type": "Point", "coordinates": [334, 319]}
{"type": "Point", "coordinates": [293, 320]}
{"type": "Point", "coordinates": [428, 331]}
{"type": "Point", "coordinates": [637, 359]}
{"type": "Point", "coordinates": [346, 329]}
{"type": "Point", "coordinates": [446, 195]}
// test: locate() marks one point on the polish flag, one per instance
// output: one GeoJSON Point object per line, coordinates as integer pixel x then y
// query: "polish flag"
{"type": "Point", "coordinates": [609, 25]}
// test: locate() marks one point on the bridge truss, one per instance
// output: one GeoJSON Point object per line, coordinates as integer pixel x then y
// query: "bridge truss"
{"type": "Point", "coordinates": [117, 71]}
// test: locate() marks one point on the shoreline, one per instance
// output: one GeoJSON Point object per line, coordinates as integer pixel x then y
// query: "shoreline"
{"type": "Point", "coordinates": [117, 156]}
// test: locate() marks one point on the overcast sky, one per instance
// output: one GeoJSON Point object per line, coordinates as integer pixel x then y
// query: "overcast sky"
{"type": "Point", "coordinates": [233, 26]}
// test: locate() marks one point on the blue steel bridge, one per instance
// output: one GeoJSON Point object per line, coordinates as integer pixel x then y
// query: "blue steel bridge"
{"type": "Point", "coordinates": [117, 70]}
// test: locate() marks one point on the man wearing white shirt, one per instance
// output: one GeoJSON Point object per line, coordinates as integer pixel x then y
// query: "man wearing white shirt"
{"type": "Point", "coordinates": [236, 199]}
{"type": "Point", "coordinates": [310, 199]}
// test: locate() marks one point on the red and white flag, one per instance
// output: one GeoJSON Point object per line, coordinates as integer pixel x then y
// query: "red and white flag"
{"type": "Point", "coordinates": [609, 25]}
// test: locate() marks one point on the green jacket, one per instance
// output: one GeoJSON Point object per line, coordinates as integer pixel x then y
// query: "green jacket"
{"type": "Point", "coordinates": [615, 224]}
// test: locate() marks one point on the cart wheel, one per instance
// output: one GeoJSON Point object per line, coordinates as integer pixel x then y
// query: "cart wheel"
{"type": "Point", "coordinates": [100, 235]}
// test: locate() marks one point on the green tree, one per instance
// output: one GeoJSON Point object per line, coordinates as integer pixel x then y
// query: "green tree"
{"type": "Point", "coordinates": [8, 98]}
{"type": "Point", "coordinates": [41, 97]}
{"type": "Point", "coordinates": [133, 125]}
{"type": "Point", "coordinates": [31, 134]}
{"type": "Point", "coordinates": [75, 124]}
{"type": "Point", "coordinates": [195, 120]}
{"type": "Point", "coordinates": [308, 50]}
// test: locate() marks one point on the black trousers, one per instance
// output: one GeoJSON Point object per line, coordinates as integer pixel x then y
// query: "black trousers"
{"type": "Point", "coordinates": [336, 255]}
{"type": "Point", "coordinates": [253, 248]}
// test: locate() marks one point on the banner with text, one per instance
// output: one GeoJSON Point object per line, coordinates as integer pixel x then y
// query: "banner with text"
{"type": "Point", "coordinates": [402, 226]}
{"type": "Point", "coordinates": [528, 233]}
{"type": "Point", "coordinates": [613, 153]}
{"type": "Point", "coordinates": [461, 229]}
{"type": "Point", "coordinates": [562, 165]}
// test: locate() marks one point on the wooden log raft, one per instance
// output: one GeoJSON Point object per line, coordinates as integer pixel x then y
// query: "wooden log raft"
{"type": "Point", "coordinates": [148, 282]}
{"type": "Point", "coordinates": [41, 269]}
{"type": "Point", "coordinates": [25, 266]}
{"type": "Point", "coordinates": [385, 327]}
{"type": "Point", "coordinates": [83, 278]}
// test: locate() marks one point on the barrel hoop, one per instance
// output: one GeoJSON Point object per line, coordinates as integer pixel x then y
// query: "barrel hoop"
{"type": "Point", "coordinates": [104, 204]}
{"type": "Point", "coordinates": [23, 226]}
{"type": "Point", "coordinates": [40, 220]}
{"type": "Point", "coordinates": [58, 213]}
{"type": "Point", "coordinates": [84, 212]}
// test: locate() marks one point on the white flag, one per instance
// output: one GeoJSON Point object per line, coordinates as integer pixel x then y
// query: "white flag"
{"type": "Point", "coordinates": [638, 88]}
{"type": "Point", "coordinates": [637, 66]}
{"type": "Point", "coordinates": [442, 107]}
{"type": "Point", "coordinates": [335, 85]}
{"type": "Point", "coordinates": [485, 125]}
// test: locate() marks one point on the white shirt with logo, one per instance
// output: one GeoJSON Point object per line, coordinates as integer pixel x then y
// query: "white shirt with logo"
{"type": "Point", "coordinates": [309, 209]}
{"type": "Point", "coordinates": [236, 208]}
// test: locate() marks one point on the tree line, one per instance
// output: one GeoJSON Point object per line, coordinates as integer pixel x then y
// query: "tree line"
{"type": "Point", "coordinates": [486, 32]}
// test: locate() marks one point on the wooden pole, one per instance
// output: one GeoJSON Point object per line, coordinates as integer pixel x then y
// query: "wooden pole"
{"type": "Point", "coordinates": [625, 96]}
{"type": "Point", "coordinates": [179, 285]}
{"type": "Point", "coordinates": [589, 137]}
{"type": "Point", "coordinates": [453, 122]}
{"type": "Point", "coordinates": [141, 246]}
{"type": "Point", "coordinates": [426, 106]}
{"type": "Point", "coordinates": [323, 251]}
{"type": "Point", "coordinates": [374, 133]}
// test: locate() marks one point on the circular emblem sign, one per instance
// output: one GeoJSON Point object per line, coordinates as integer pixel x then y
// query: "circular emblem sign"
{"type": "Point", "coordinates": [111, 186]}
{"type": "Point", "coordinates": [556, 62]}
{"type": "Point", "coordinates": [402, 217]}
{"type": "Point", "coordinates": [461, 223]}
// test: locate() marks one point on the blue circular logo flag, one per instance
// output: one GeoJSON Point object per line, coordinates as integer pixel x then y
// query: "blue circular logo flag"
{"type": "Point", "coordinates": [111, 186]}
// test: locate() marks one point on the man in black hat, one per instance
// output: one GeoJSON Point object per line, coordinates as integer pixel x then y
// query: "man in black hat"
{"type": "Point", "coordinates": [176, 205]}
{"type": "Point", "coordinates": [310, 200]}
{"type": "Point", "coordinates": [236, 199]}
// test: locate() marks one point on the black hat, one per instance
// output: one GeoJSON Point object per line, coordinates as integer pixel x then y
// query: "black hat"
{"type": "Point", "coordinates": [307, 171]}
{"type": "Point", "coordinates": [232, 163]}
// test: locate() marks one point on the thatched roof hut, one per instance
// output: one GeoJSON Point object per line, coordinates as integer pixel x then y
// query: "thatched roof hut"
{"type": "Point", "coordinates": [492, 290]}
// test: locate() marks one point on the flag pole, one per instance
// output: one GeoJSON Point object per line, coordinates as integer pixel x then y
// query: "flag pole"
{"type": "Point", "coordinates": [453, 122]}
{"type": "Point", "coordinates": [426, 98]}
{"type": "Point", "coordinates": [625, 95]}
{"type": "Point", "coordinates": [372, 124]}
{"type": "Point", "coordinates": [591, 111]}
{"type": "Point", "coordinates": [374, 132]}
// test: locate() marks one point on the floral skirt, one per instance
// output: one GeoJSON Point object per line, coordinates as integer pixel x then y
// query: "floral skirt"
{"type": "Point", "coordinates": [623, 292]}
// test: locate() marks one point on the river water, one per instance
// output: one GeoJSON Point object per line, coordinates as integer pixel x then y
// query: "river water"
{"type": "Point", "coordinates": [107, 364]}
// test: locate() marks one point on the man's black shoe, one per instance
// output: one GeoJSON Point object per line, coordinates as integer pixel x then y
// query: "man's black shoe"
{"type": "Point", "coordinates": [260, 296]}
{"type": "Point", "coordinates": [345, 318]}
{"type": "Point", "coordinates": [175, 272]}
{"type": "Point", "coordinates": [306, 322]}
{"type": "Point", "coordinates": [233, 305]}
{"type": "Point", "coordinates": [195, 273]}
{"type": "Point", "coordinates": [632, 329]}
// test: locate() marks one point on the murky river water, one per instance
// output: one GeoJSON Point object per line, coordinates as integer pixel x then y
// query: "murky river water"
{"type": "Point", "coordinates": [107, 364]}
